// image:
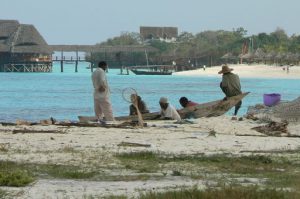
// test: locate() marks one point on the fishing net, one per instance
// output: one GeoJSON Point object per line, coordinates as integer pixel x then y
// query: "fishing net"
{"type": "Point", "coordinates": [129, 95]}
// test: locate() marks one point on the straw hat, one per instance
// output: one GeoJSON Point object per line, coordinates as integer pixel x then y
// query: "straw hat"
{"type": "Point", "coordinates": [163, 100]}
{"type": "Point", "coordinates": [225, 69]}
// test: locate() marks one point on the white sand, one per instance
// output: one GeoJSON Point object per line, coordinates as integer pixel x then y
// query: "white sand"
{"type": "Point", "coordinates": [85, 146]}
{"type": "Point", "coordinates": [249, 71]}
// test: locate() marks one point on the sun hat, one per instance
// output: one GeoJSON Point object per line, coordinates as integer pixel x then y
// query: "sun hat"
{"type": "Point", "coordinates": [225, 69]}
{"type": "Point", "coordinates": [163, 100]}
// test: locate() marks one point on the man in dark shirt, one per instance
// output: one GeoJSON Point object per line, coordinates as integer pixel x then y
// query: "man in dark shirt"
{"type": "Point", "coordinates": [231, 86]}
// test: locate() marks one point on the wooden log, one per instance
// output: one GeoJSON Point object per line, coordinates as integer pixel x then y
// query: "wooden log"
{"type": "Point", "coordinates": [36, 131]}
{"type": "Point", "coordinates": [133, 144]}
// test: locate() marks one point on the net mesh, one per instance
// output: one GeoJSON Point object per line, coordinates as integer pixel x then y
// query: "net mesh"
{"type": "Point", "coordinates": [129, 95]}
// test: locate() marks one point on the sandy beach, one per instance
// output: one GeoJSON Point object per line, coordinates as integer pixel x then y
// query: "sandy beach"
{"type": "Point", "coordinates": [95, 155]}
{"type": "Point", "coordinates": [249, 71]}
{"type": "Point", "coordinates": [94, 147]}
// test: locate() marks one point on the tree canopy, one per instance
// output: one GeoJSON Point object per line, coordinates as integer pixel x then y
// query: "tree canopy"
{"type": "Point", "coordinates": [206, 47]}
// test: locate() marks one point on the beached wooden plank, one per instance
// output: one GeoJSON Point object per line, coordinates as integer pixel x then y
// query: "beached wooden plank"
{"type": "Point", "coordinates": [95, 124]}
{"type": "Point", "coordinates": [209, 109]}
{"type": "Point", "coordinates": [133, 144]}
{"type": "Point", "coordinates": [36, 131]}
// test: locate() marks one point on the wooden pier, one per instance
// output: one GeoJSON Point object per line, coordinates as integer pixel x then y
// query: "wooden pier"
{"type": "Point", "coordinates": [91, 49]}
{"type": "Point", "coordinates": [28, 67]}
{"type": "Point", "coordinates": [69, 60]}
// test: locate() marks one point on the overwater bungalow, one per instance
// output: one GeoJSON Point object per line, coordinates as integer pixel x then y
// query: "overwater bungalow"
{"type": "Point", "coordinates": [23, 49]}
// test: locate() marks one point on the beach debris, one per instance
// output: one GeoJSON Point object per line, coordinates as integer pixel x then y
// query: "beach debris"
{"type": "Point", "coordinates": [4, 147]}
{"type": "Point", "coordinates": [125, 125]}
{"type": "Point", "coordinates": [212, 133]}
{"type": "Point", "coordinates": [250, 116]}
{"type": "Point", "coordinates": [23, 131]}
{"type": "Point", "coordinates": [284, 111]}
{"type": "Point", "coordinates": [274, 129]}
{"type": "Point", "coordinates": [23, 122]}
{"type": "Point", "coordinates": [49, 121]}
{"type": "Point", "coordinates": [184, 121]}
{"type": "Point", "coordinates": [133, 144]}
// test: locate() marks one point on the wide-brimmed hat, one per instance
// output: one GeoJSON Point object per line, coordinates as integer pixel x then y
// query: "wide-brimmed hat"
{"type": "Point", "coordinates": [163, 100]}
{"type": "Point", "coordinates": [225, 69]}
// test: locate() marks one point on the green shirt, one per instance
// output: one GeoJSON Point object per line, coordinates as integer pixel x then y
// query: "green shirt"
{"type": "Point", "coordinates": [231, 84]}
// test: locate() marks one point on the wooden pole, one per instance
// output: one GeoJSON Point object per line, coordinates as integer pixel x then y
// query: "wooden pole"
{"type": "Point", "coordinates": [62, 62]}
{"type": "Point", "coordinates": [76, 62]}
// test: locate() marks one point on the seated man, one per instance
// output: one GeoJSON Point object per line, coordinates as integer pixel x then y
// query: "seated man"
{"type": "Point", "coordinates": [167, 110]}
{"type": "Point", "coordinates": [140, 103]}
{"type": "Point", "coordinates": [186, 103]}
{"type": "Point", "coordinates": [231, 86]}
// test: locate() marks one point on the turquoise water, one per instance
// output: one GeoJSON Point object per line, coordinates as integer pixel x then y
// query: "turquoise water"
{"type": "Point", "coordinates": [36, 96]}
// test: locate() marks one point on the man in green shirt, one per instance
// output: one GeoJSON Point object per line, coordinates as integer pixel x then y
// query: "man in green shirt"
{"type": "Point", "coordinates": [231, 86]}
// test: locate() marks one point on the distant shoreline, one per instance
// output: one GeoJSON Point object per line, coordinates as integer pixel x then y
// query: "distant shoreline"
{"type": "Point", "coordinates": [248, 71]}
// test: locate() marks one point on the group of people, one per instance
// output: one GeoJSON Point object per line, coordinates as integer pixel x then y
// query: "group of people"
{"type": "Point", "coordinates": [230, 85]}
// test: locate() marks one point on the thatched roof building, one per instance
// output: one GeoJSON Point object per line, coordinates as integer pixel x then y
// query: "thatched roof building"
{"type": "Point", "coordinates": [259, 55]}
{"type": "Point", "coordinates": [22, 44]}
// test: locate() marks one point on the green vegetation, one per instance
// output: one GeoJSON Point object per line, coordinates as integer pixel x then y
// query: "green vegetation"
{"type": "Point", "coordinates": [3, 194]}
{"type": "Point", "coordinates": [206, 47]}
{"type": "Point", "coordinates": [16, 178]}
{"type": "Point", "coordinates": [105, 197]}
{"type": "Point", "coordinates": [280, 171]}
{"type": "Point", "coordinates": [12, 174]}
{"type": "Point", "coordinates": [273, 173]}
{"type": "Point", "coordinates": [226, 192]}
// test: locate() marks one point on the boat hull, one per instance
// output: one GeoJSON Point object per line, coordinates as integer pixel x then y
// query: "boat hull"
{"type": "Point", "coordinates": [138, 72]}
{"type": "Point", "coordinates": [209, 109]}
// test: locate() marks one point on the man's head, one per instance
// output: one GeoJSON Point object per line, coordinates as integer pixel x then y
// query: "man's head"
{"type": "Point", "coordinates": [103, 65]}
{"type": "Point", "coordinates": [135, 98]}
{"type": "Point", "coordinates": [225, 69]}
{"type": "Point", "coordinates": [163, 102]}
{"type": "Point", "coordinates": [183, 101]}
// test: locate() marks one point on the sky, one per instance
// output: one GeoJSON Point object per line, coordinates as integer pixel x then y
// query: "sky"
{"type": "Point", "coordinates": [95, 21]}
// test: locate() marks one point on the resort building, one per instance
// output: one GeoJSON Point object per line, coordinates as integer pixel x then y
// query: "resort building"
{"type": "Point", "coordinates": [167, 34]}
{"type": "Point", "coordinates": [23, 49]}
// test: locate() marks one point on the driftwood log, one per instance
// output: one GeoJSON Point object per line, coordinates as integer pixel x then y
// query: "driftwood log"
{"type": "Point", "coordinates": [36, 131]}
{"type": "Point", "coordinates": [133, 144]}
{"type": "Point", "coordinates": [123, 125]}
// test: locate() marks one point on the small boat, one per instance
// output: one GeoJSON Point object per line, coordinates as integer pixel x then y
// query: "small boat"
{"type": "Point", "coordinates": [209, 109]}
{"type": "Point", "coordinates": [152, 70]}
{"type": "Point", "coordinates": [140, 72]}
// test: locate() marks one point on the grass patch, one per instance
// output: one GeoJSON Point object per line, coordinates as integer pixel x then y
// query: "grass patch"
{"type": "Point", "coordinates": [280, 171]}
{"type": "Point", "coordinates": [64, 171]}
{"type": "Point", "coordinates": [142, 162]}
{"type": "Point", "coordinates": [228, 192]}
{"type": "Point", "coordinates": [16, 178]}
{"type": "Point", "coordinates": [14, 174]}
{"type": "Point", "coordinates": [24, 172]}
{"type": "Point", "coordinates": [4, 148]}
{"type": "Point", "coordinates": [3, 194]}
{"type": "Point", "coordinates": [150, 162]}
{"type": "Point", "coordinates": [105, 197]}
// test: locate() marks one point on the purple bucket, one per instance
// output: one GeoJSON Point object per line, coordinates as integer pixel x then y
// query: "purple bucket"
{"type": "Point", "coordinates": [271, 99]}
